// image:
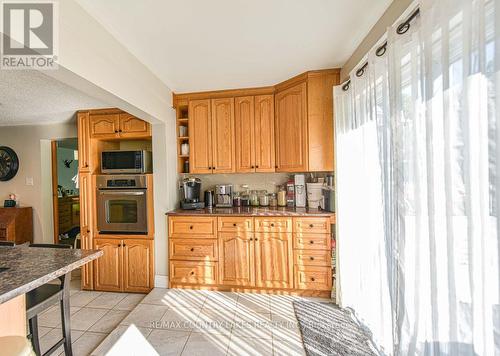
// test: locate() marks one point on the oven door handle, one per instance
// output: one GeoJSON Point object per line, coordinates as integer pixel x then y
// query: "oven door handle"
{"type": "Point", "coordinates": [121, 193]}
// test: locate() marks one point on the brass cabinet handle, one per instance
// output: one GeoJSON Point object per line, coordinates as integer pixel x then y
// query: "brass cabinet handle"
{"type": "Point", "coordinates": [311, 258]}
{"type": "Point", "coordinates": [124, 245]}
{"type": "Point", "coordinates": [192, 272]}
{"type": "Point", "coordinates": [272, 225]}
{"type": "Point", "coordinates": [312, 279]}
{"type": "Point", "coordinates": [311, 242]}
{"type": "Point", "coordinates": [311, 226]}
{"type": "Point", "coordinates": [256, 239]}
{"type": "Point", "coordinates": [116, 131]}
{"type": "Point", "coordinates": [234, 224]}
{"type": "Point", "coordinates": [191, 227]}
{"type": "Point", "coordinates": [251, 239]}
{"type": "Point", "coordinates": [256, 166]}
{"type": "Point", "coordinates": [192, 249]}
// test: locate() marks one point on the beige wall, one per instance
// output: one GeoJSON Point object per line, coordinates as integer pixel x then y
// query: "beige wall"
{"type": "Point", "coordinates": [32, 145]}
{"type": "Point", "coordinates": [393, 12]}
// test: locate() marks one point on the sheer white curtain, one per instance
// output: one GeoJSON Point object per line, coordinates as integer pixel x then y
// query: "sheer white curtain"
{"type": "Point", "coordinates": [438, 148]}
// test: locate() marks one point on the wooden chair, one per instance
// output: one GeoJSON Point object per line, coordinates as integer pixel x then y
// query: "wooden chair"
{"type": "Point", "coordinates": [44, 297]}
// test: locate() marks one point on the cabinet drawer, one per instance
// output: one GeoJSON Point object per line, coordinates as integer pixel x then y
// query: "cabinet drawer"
{"type": "Point", "coordinates": [313, 278]}
{"type": "Point", "coordinates": [313, 258]}
{"type": "Point", "coordinates": [311, 225]}
{"type": "Point", "coordinates": [273, 224]}
{"type": "Point", "coordinates": [193, 249]}
{"type": "Point", "coordinates": [192, 226]}
{"type": "Point", "coordinates": [235, 224]}
{"type": "Point", "coordinates": [187, 272]}
{"type": "Point", "coordinates": [312, 242]}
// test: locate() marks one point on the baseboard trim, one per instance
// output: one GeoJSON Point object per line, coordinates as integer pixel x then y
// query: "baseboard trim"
{"type": "Point", "coordinates": [161, 281]}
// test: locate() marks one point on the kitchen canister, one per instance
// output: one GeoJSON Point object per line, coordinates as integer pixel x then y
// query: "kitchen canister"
{"type": "Point", "coordinates": [183, 131]}
{"type": "Point", "coordinates": [314, 195]}
{"type": "Point", "coordinates": [185, 149]}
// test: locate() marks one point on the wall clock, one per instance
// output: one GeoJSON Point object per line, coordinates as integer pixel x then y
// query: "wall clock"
{"type": "Point", "coordinates": [9, 163]}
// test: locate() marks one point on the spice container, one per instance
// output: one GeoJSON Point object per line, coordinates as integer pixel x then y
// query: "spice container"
{"type": "Point", "coordinates": [263, 198]}
{"type": "Point", "coordinates": [282, 197]}
{"type": "Point", "coordinates": [254, 198]}
{"type": "Point", "coordinates": [273, 200]}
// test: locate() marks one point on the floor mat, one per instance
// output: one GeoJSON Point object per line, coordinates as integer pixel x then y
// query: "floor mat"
{"type": "Point", "coordinates": [329, 330]}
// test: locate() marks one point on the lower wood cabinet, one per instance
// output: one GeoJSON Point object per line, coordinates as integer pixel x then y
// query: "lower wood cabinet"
{"type": "Point", "coordinates": [247, 253]}
{"type": "Point", "coordinates": [126, 266]}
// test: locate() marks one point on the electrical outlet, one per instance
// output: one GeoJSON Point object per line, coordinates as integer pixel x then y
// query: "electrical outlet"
{"type": "Point", "coordinates": [29, 181]}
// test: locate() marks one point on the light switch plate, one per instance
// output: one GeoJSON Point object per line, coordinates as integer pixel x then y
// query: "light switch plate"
{"type": "Point", "coordinates": [29, 180]}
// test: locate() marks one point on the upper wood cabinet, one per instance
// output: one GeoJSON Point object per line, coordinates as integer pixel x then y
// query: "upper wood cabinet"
{"type": "Point", "coordinates": [130, 126]}
{"type": "Point", "coordinates": [118, 125]}
{"type": "Point", "coordinates": [291, 129]}
{"type": "Point", "coordinates": [288, 127]}
{"type": "Point", "coordinates": [211, 136]}
{"type": "Point", "coordinates": [200, 136]}
{"type": "Point", "coordinates": [83, 123]}
{"type": "Point", "coordinates": [264, 133]}
{"type": "Point", "coordinates": [254, 122]}
{"type": "Point", "coordinates": [104, 126]}
{"type": "Point", "coordinates": [223, 135]}
{"type": "Point", "coordinates": [245, 134]}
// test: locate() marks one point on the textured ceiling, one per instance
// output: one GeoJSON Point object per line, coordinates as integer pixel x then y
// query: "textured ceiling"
{"type": "Point", "coordinates": [30, 97]}
{"type": "Point", "coordinates": [194, 45]}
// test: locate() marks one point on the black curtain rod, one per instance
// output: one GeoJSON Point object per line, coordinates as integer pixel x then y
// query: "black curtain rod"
{"type": "Point", "coordinates": [380, 51]}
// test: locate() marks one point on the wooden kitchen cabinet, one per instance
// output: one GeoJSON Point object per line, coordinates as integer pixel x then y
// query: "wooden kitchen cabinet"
{"type": "Point", "coordinates": [236, 261]}
{"type": "Point", "coordinates": [83, 123]}
{"type": "Point", "coordinates": [200, 136]}
{"type": "Point", "coordinates": [138, 265]}
{"type": "Point", "coordinates": [117, 124]}
{"type": "Point", "coordinates": [104, 126]}
{"type": "Point", "coordinates": [108, 274]}
{"type": "Point", "coordinates": [223, 150]}
{"type": "Point", "coordinates": [291, 129]}
{"type": "Point", "coordinates": [254, 117]}
{"type": "Point", "coordinates": [273, 260]}
{"type": "Point", "coordinates": [85, 225]}
{"type": "Point", "coordinates": [126, 266]}
{"type": "Point", "coordinates": [244, 134]}
{"type": "Point", "coordinates": [132, 127]}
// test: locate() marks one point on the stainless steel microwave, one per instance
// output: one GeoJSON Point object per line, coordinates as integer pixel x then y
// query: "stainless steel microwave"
{"type": "Point", "coordinates": [126, 162]}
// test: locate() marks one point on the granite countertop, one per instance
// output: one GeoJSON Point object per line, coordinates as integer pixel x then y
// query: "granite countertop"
{"type": "Point", "coordinates": [253, 211]}
{"type": "Point", "coordinates": [30, 267]}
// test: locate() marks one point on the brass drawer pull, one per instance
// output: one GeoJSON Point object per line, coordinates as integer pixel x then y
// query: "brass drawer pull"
{"type": "Point", "coordinates": [272, 225]}
{"type": "Point", "coordinates": [192, 249]}
{"type": "Point", "coordinates": [311, 258]}
{"type": "Point", "coordinates": [256, 239]}
{"type": "Point", "coordinates": [311, 242]}
{"type": "Point", "coordinates": [234, 224]}
{"type": "Point", "coordinates": [311, 226]}
{"type": "Point", "coordinates": [191, 227]}
{"type": "Point", "coordinates": [192, 273]}
{"type": "Point", "coordinates": [312, 279]}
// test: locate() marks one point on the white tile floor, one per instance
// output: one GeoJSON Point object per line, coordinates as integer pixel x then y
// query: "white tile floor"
{"type": "Point", "coordinates": [176, 322]}
{"type": "Point", "coordinates": [94, 315]}
{"type": "Point", "coordinates": [187, 322]}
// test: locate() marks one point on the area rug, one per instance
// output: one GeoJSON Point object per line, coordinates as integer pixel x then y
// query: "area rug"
{"type": "Point", "coordinates": [329, 330]}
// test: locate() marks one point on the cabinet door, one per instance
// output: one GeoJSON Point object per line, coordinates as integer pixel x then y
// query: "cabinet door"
{"type": "Point", "coordinates": [85, 225]}
{"type": "Point", "coordinates": [273, 260]}
{"type": "Point", "coordinates": [265, 152]}
{"type": "Point", "coordinates": [104, 126]}
{"type": "Point", "coordinates": [236, 259]}
{"type": "Point", "coordinates": [291, 129]}
{"type": "Point", "coordinates": [108, 267]}
{"type": "Point", "coordinates": [245, 134]}
{"type": "Point", "coordinates": [83, 143]}
{"type": "Point", "coordinates": [200, 133]}
{"type": "Point", "coordinates": [137, 265]}
{"type": "Point", "coordinates": [223, 152]}
{"type": "Point", "coordinates": [131, 126]}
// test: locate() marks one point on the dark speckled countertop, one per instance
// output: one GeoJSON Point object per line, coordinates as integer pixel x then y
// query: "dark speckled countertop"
{"type": "Point", "coordinates": [253, 211]}
{"type": "Point", "coordinates": [30, 267]}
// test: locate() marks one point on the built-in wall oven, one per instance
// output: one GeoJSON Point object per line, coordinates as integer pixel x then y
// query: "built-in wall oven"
{"type": "Point", "coordinates": [122, 204]}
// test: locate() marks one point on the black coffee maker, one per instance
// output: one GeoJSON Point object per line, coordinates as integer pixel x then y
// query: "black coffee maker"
{"type": "Point", "coordinates": [190, 193]}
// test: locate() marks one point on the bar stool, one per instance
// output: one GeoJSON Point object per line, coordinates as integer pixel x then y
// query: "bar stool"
{"type": "Point", "coordinates": [44, 297]}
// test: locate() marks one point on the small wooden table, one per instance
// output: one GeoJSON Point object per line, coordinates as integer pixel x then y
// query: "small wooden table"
{"type": "Point", "coordinates": [16, 224]}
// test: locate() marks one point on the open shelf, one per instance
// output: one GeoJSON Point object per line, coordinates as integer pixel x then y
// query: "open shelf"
{"type": "Point", "coordinates": [182, 111]}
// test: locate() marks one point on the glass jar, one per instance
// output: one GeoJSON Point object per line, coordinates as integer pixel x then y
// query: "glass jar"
{"type": "Point", "coordinates": [263, 198]}
{"type": "Point", "coordinates": [254, 198]}
{"type": "Point", "coordinates": [237, 199]}
{"type": "Point", "coordinates": [273, 200]}
{"type": "Point", "coordinates": [282, 197]}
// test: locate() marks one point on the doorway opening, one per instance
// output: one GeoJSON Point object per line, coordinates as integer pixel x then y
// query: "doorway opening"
{"type": "Point", "coordinates": [65, 192]}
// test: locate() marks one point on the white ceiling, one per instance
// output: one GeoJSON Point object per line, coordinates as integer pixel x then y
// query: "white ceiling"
{"type": "Point", "coordinates": [194, 45]}
{"type": "Point", "coordinates": [30, 97]}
